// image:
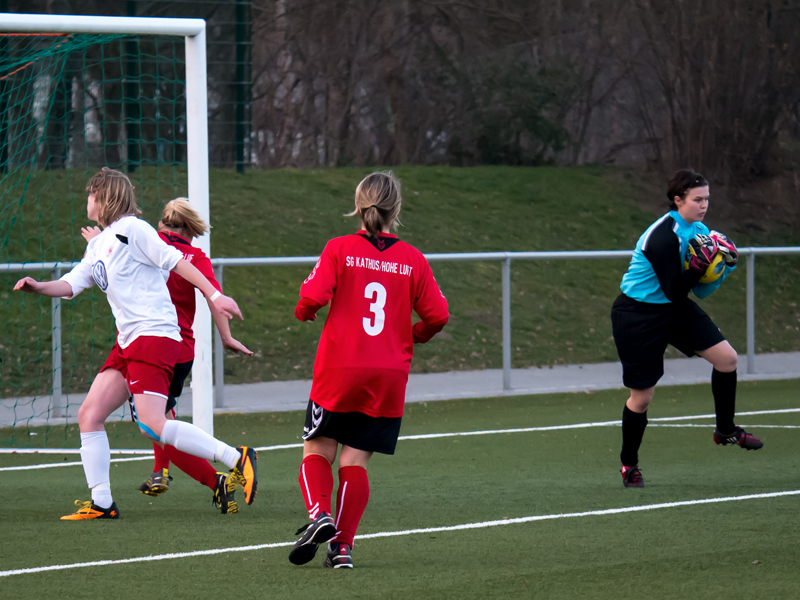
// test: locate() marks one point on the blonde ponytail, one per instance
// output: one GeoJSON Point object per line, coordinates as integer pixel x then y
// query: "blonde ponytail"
{"type": "Point", "coordinates": [378, 199]}
{"type": "Point", "coordinates": [179, 214]}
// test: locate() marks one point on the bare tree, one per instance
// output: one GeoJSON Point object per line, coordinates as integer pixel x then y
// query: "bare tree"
{"type": "Point", "coordinates": [715, 80]}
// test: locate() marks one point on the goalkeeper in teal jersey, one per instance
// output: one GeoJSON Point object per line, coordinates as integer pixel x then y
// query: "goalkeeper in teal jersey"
{"type": "Point", "coordinates": [654, 310]}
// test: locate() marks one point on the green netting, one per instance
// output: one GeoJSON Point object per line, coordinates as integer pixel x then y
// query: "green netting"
{"type": "Point", "coordinates": [70, 104]}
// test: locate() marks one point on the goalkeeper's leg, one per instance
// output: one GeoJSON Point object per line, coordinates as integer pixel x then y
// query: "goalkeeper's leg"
{"type": "Point", "coordinates": [634, 422]}
{"type": "Point", "coordinates": [723, 382]}
{"type": "Point", "coordinates": [723, 387]}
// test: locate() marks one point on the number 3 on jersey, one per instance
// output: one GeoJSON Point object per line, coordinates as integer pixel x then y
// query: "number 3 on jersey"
{"type": "Point", "coordinates": [377, 294]}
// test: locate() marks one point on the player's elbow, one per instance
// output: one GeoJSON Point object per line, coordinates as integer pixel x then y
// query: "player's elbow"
{"type": "Point", "coordinates": [306, 309]}
{"type": "Point", "coordinates": [436, 323]}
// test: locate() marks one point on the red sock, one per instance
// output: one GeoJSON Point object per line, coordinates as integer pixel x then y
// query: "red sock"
{"type": "Point", "coordinates": [316, 484]}
{"type": "Point", "coordinates": [351, 500]}
{"type": "Point", "coordinates": [162, 460]}
{"type": "Point", "coordinates": [197, 468]}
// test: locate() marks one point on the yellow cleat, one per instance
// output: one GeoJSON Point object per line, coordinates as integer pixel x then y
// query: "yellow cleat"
{"type": "Point", "coordinates": [224, 494]}
{"type": "Point", "coordinates": [157, 483]}
{"type": "Point", "coordinates": [89, 510]}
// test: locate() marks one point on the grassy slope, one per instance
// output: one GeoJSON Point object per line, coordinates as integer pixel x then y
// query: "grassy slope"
{"type": "Point", "coordinates": [560, 309]}
{"type": "Point", "coordinates": [685, 552]}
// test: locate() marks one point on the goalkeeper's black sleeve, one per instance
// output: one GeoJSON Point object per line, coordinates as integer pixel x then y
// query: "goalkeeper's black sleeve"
{"type": "Point", "coordinates": [663, 250]}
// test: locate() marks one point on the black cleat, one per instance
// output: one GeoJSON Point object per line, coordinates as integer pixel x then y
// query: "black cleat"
{"type": "Point", "coordinates": [224, 495]}
{"type": "Point", "coordinates": [319, 531]}
{"type": "Point", "coordinates": [739, 437]}
{"type": "Point", "coordinates": [244, 473]}
{"type": "Point", "coordinates": [632, 477]}
{"type": "Point", "coordinates": [339, 556]}
{"type": "Point", "coordinates": [157, 483]}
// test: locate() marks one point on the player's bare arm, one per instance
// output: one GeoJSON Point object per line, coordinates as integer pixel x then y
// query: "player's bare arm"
{"type": "Point", "coordinates": [226, 305]}
{"type": "Point", "coordinates": [54, 289]}
{"type": "Point", "coordinates": [228, 341]}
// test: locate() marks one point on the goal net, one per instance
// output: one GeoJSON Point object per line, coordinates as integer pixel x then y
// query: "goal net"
{"type": "Point", "coordinates": [72, 102]}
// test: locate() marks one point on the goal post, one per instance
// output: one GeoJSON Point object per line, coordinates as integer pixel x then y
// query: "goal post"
{"type": "Point", "coordinates": [196, 106]}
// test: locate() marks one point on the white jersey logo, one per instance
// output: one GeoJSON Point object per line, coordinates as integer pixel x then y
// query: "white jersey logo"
{"type": "Point", "coordinates": [313, 271]}
{"type": "Point", "coordinates": [99, 275]}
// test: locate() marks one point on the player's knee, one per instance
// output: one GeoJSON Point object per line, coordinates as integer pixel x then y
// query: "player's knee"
{"type": "Point", "coordinates": [351, 457]}
{"type": "Point", "coordinates": [89, 418]}
{"type": "Point", "coordinates": [728, 362]}
{"type": "Point", "coordinates": [640, 400]}
{"type": "Point", "coordinates": [151, 427]}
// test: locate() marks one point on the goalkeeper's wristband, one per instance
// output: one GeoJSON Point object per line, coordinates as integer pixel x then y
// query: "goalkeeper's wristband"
{"type": "Point", "coordinates": [215, 295]}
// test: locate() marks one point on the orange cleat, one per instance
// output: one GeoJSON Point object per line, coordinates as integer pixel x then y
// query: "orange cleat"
{"type": "Point", "coordinates": [89, 510]}
{"type": "Point", "coordinates": [244, 473]}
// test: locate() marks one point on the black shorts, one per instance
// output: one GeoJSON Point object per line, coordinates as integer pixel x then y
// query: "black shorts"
{"type": "Point", "coordinates": [179, 375]}
{"type": "Point", "coordinates": [643, 330]}
{"type": "Point", "coordinates": [354, 429]}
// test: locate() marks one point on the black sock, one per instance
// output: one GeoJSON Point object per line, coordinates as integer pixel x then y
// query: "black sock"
{"type": "Point", "coordinates": [633, 425]}
{"type": "Point", "coordinates": [723, 386]}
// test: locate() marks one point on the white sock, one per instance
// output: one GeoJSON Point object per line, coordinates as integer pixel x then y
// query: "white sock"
{"type": "Point", "coordinates": [101, 495]}
{"type": "Point", "coordinates": [193, 440]}
{"type": "Point", "coordinates": [96, 460]}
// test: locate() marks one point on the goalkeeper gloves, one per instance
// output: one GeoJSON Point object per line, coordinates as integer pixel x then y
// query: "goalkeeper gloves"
{"type": "Point", "coordinates": [729, 252]}
{"type": "Point", "coordinates": [701, 252]}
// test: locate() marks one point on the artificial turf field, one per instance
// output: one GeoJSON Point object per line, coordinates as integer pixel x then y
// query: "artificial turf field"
{"type": "Point", "coordinates": [742, 548]}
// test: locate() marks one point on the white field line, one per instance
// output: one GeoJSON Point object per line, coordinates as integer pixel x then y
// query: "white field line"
{"type": "Point", "coordinates": [481, 525]}
{"type": "Point", "coordinates": [70, 451]}
{"type": "Point", "coordinates": [426, 436]}
{"type": "Point", "coordinates": [706, 425]}
{"type": "Point", "coordinates": [777, 411]}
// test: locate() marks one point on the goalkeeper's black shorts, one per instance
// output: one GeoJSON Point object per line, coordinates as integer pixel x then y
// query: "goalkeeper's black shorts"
{"type": "Point", "coordinates": [642, 331]}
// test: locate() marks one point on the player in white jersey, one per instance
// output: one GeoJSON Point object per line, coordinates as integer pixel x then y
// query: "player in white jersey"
{"type": "Point", "coordinates": [126, 262]}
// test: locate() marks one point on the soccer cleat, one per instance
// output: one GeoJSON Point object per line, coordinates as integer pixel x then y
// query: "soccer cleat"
{"type": "Point", "coordinates": [739, 437]}
{"type": "Point", "coordinates": [339, 556]}
{"type": "Point", "coordinates": [157, 483]}
{"type": "Point", "coordinates": [223, 495]}
{"type": "Point", "coordinates": [319, 531]}
{"type": "Point", "coordinates": [244, 473]}
{"type": "Point", "coordinates": [632, 477]}
{"type": "Point", "coordinates": [89, 510]}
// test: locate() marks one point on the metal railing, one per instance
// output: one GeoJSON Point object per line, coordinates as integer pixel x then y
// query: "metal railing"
{"type": "Point", "coordinates": [504, 257]}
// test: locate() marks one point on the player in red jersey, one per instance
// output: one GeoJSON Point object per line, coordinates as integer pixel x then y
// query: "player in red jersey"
{"type": "Point", "coordinates": [125, 261]}
{"type": "Point", "coordinates": [180, 224]}
{"type": "Point", "coordinates": [373, 281]}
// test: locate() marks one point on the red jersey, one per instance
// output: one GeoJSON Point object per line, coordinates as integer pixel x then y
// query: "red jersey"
{"type": "Point", "coordinates": [365, 351]}
{"type": "Point", "coordinates": [182, 292]}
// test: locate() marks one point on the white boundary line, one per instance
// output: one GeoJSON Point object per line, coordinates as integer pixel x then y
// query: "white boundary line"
{"type": "Point", "coordinates": [69, 464]}
{"type": "Point", "coordinates": [481, 525]}
{"type": "Point", "coordinates": [706, 426]}
{"type": "Point", "coordinates": [777, 411]}
{"type": "Point", "coordinates": [428, 436]}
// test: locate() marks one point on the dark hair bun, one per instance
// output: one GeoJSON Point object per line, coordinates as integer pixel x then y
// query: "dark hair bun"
{"type": "Point", "coordinates": [683, 180]}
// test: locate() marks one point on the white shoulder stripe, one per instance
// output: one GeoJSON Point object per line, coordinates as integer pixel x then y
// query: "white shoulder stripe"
{"type": "Point", "coordinates": [652, 227]}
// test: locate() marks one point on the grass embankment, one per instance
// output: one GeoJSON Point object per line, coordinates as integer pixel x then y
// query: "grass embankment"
{"type": "Point", "coordinates": [560, 308]}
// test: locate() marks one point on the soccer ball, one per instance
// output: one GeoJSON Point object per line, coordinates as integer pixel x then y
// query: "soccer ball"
{"type": "Point", "coordinates": [714, 270]}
